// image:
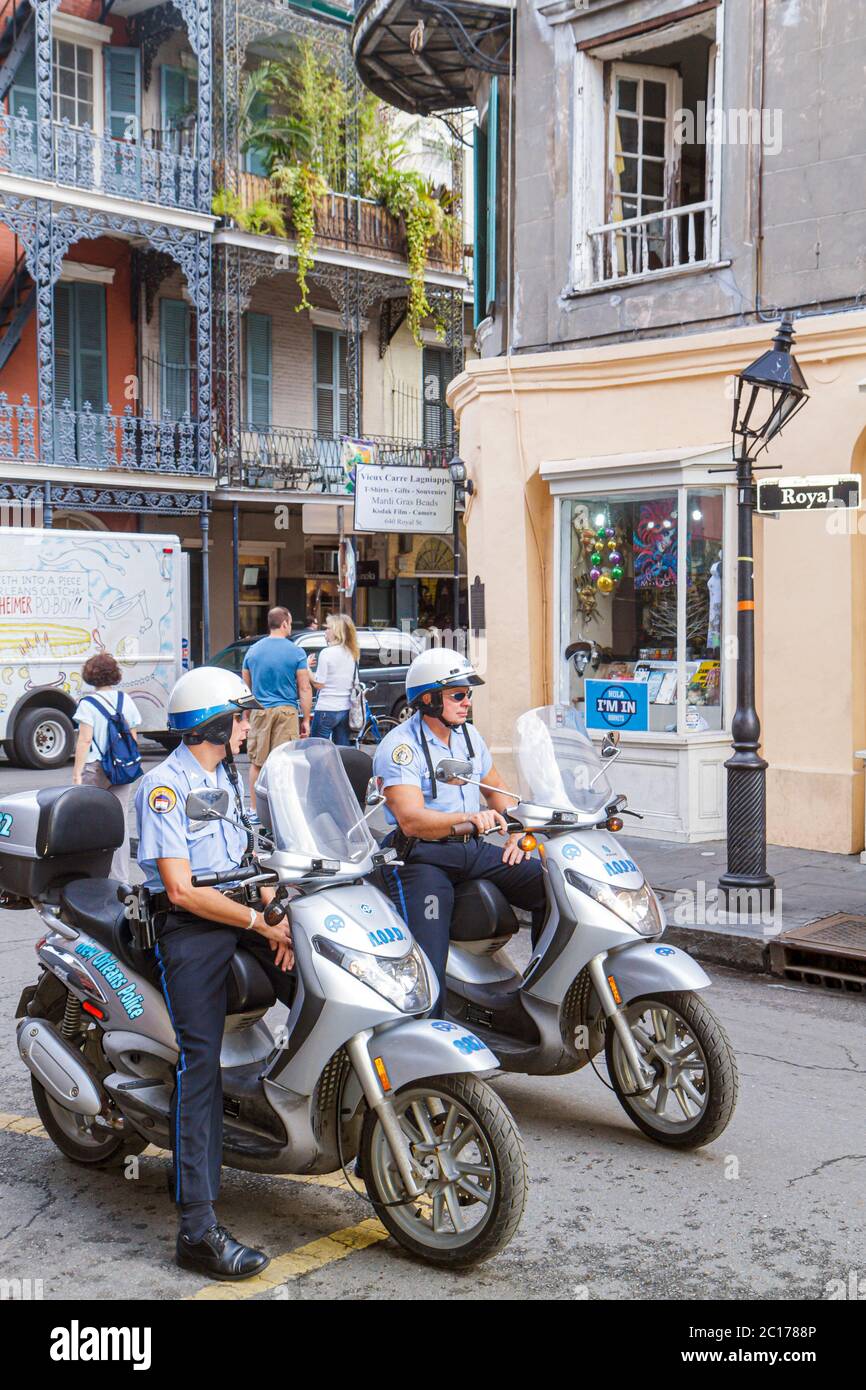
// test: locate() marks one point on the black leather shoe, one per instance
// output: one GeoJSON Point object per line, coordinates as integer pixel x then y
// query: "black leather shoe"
{"type": "Point", "coordinates": [220, 1256]}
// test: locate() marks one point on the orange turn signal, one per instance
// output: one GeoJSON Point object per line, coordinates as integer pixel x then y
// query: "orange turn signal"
{"type": "Point", "coordinates": [381, 1073]}
{"type": "Point", "coordinates": [614, 823]}
{"type": "Point", "coordinates": [617, 999]}
{"type": "Point", "coordinates": [528, 843]}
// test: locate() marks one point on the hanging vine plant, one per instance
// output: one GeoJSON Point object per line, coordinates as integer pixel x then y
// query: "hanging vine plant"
{"type": "Point", "coordinates": [301, 186]}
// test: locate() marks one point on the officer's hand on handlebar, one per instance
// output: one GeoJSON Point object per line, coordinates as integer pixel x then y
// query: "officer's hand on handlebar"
{"type": "Point", "coordinates": [280, 939]}
{"type": "Point", "coordinates": [485, 821]}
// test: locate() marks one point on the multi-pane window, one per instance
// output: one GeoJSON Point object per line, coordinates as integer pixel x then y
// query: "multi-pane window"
{"type": "Point", "coordinates": [73, 83]}
{"type": "Point", "coordinates": [643, 160]}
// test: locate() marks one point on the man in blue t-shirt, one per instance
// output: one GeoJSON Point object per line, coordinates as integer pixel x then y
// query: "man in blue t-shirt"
{"type": "Point", "coordinates": [275, 669]}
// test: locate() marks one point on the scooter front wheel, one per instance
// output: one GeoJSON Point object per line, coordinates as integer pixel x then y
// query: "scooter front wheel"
{"type": "Point", "coordinates": [696, 1084]}
{"type": "Point", "coordinates": [471, 1159]}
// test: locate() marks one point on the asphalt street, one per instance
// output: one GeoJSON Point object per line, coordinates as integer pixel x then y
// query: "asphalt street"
{"type": "Point", "coordinates": [774, 1208]}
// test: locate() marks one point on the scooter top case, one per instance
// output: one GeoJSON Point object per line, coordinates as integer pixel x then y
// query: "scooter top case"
{"type": "Point", "coordinates": [55, 834]}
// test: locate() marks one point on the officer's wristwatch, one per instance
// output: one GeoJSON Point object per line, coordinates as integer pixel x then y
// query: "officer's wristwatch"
{"type": "Point", "coordinates": [252, 922]}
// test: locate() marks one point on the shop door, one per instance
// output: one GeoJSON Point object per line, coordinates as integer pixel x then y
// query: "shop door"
{"type": "Point", "coordinates": [407, 602]}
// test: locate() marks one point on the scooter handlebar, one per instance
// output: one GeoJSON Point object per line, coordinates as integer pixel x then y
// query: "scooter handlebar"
{"type": "Point", "coordinates": [225, 876]}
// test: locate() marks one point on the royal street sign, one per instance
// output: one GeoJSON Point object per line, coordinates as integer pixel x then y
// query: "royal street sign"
{"type": "Point", "coordinates": [808, 494]}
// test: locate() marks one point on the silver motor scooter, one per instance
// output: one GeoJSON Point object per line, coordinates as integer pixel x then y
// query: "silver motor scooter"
{"type": "Point", "coordinates": [356, 1071]}
{"type": "Point", "coordinates": [600, 976]}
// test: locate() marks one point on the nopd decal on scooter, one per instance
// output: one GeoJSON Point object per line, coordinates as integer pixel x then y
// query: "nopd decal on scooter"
{"type": "Point", "coordinates": [365, 907]}
{"type": "Point", "coordinates": [384, 935]}
{"type": "Point", "coordinates": [468, 1043]}
{"type": "Point", "coordinates": [442, 1027]}
{"type": "Point", "coordinates": [334, 923]}
{"type": "Point", "coordinates": [664, 950]}
{"type": "Point", "coordinates": [620, 866]}
{"type": "Point", "coordinates": [5, 823]}
{"type": "Point", "coordinates": [570, 851]}
{"type": "Point", "coordinates": [105, 963]}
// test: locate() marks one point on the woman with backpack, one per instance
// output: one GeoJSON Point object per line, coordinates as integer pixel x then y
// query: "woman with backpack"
{"type": "Point", "coordinates": [106, 753]}
{"type": "Point", "coordinates": [335, 679]}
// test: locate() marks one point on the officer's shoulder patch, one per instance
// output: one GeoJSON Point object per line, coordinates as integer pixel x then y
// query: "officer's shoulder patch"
{"type": "Point", "coordinates": [402, 754]}
{"type": "Point", "coordinates": [162, 799]}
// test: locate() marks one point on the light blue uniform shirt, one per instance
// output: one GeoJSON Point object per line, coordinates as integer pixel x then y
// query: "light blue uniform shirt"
{"type": "Point", "coordinates": [165, 831]}
{"type": "Point", "coordinates": [400, 761]}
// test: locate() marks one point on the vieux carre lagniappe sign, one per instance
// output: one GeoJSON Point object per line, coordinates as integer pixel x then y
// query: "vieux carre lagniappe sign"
{"type": "Point", "coordinates": [808, 494]}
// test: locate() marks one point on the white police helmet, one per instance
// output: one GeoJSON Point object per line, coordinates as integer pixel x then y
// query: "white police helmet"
{"type": "Point", "coordinates": [205, 694]}
{"type": "Point", "coordinates": [437, 668]}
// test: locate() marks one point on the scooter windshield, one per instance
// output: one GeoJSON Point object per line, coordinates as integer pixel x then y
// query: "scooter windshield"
{"type": "Point", "coordinates": [557, 764]}
{"type": "Point", "coordinates": [310, 806]}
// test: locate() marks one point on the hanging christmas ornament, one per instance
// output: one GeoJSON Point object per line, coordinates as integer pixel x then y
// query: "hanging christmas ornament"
{"type": "Point", "coordinates": [595, 574]}
{"type": "Point", "coordinates": [614, 558]}
{"type": "Point", "coordinates": [611, 545]}
{"type": "Point", "coordinates": [609, 532]}
{"type": "Point", "coordinates": [616, 573]}
{"type": "Point", "coordinates": [595, 558]}
{"type": "Point", "coordinates": [605, 584]}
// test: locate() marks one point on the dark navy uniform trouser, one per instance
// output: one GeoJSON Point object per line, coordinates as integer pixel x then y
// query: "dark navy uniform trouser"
{"type": "Point", "coordinates": [422, 891]}
{"type": "Point", "coordinates": [194, 957]}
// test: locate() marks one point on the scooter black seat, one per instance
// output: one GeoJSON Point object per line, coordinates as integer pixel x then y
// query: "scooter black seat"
{"type": "Point", "coordinates": [91, 904]}
{"type": "Point", "coordinates": [481, 913]}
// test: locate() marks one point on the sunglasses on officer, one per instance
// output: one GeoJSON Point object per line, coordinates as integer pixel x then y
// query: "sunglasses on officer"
{"type": "Point", "coordinates": [460, 697]}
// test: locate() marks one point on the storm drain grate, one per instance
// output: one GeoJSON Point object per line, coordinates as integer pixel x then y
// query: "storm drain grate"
{"type": "Point", "coordinates": [830, 952]}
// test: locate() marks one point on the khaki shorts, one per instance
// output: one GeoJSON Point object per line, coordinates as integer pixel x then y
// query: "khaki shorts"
{"type": "Point", "coordinates": [269, 728]}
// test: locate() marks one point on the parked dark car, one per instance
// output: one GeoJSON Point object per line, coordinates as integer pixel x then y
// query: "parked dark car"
{"type": "Point", "coordinates": [386, 654]}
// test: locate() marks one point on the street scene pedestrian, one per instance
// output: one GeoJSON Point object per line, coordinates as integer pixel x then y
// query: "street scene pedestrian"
{"type": "Point", "coordinates": [335, 673]}
{"type": "Point", "coordinates": [275, 669]}
{"type": "Point", "coordinates": [95, 716]}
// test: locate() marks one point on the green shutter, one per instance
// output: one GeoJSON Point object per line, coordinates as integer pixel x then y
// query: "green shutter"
{"type": "Point", "coordinates": [492, 178]}
{"type": "Point", "coordinates": [174, 331]}
{"type": "Point", "coordinates": [23, 93]}
{"type": "Point", "coordinates": [91, 356]}
{"type": "Point", "coordinates": [64, 388]}
{"type": "Point", "coordinates": [80, 358]}
{"type": "Point", "coordinates": [254, 160]}
{"type": "Point", "coordinates": [123, 93]}
{"type": "Point", "coordinates": [342, 349]}
{"type": "Point", "coordinates": [479, 263]}
{"type": "Point", "coordinates": [175, 96]}
{"type": "Point", "coordinates": [258, 343]}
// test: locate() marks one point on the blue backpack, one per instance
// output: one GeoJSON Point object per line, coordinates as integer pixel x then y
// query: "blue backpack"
{"type": "Point", "coordinates": [121, 760]}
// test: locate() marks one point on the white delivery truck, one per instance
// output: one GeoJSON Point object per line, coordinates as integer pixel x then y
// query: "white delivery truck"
{"type": "Point", "coordinates": [64, 597]}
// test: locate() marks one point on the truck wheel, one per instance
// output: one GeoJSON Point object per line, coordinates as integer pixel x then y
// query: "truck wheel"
{"type": "Point", "coordinates": [43, 738]}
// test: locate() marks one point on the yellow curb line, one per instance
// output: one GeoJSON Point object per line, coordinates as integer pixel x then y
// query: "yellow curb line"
{"type": "Point", "coordinates": [294, 1263]}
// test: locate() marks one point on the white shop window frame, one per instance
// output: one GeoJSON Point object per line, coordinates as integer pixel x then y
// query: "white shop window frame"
{"type": "Point", "coordinates": [591, 119]}
{"type": "Point", "coordinates": [621, 477]}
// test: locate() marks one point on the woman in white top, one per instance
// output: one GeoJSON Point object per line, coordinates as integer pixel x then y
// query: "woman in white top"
{"type": "Point", "coordinates": [333, 679]}
{"type": "Point", "coordinates": [104, 674]}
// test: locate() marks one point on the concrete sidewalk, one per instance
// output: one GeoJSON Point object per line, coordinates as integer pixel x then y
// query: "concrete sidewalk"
{"type": "Point", "coordinates": [809, 884]}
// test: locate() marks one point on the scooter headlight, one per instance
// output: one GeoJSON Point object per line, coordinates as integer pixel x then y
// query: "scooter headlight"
{"type": "Point", "coordinates": [639, 907]}
{"type": "Point", "coordinates": [402, 980]}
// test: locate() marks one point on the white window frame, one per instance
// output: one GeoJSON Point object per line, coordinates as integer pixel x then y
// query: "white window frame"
{"type": "Point", "coordinates": [84, 34]}
{"type": "Point", "coordinates": [672, 82]}
{"type": "Point", "coordinates": [592, 115]}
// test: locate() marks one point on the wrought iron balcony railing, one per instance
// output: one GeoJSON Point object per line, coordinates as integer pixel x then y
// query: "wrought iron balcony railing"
{"type": "Point", "coordinates": [298, 460]}
{"type": "Point", "coordinates": [346, 222]}
{"type": "Point", "coordinates": [89, 438]}
{"type": "Point", "coordinates": [102, 164]}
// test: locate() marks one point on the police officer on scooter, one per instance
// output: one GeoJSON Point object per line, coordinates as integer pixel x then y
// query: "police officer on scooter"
{"type": "Point", "coordinates": [439, 825]}
{"type": "Point", "coordinates": [198, 931]}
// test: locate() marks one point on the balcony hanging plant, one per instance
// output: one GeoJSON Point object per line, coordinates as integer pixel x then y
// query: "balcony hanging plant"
{"type": "Point", "coordinates": [296, 112]}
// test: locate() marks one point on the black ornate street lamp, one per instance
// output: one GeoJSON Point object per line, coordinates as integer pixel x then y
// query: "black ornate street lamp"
{"type": "Point", "coordinates": [769, 393]}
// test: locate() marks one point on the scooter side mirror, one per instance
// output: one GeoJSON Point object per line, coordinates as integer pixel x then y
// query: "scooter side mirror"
{"type": "Point", "coordinates": [610, 745]}
{"type": "Point", "coordinates": [210, 803]}
{"type": "Point", "coordinates": [454, 770]}
{"type": "Point", "coordinates": [373, 795]}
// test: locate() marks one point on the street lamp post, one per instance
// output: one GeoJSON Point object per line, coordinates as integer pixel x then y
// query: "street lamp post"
{"type": "Point", "coordinates": [463, 487]}
{"type": "Point", "coordinates": [768, 394]}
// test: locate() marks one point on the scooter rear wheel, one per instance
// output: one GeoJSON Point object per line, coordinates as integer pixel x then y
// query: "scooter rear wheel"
{"type": "Point", "coordinates": [75, 1135]}
{"type": "Point", "coordinates": [465, 1140]}
{"type": "Point", "coordinates": [696, 1089]}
